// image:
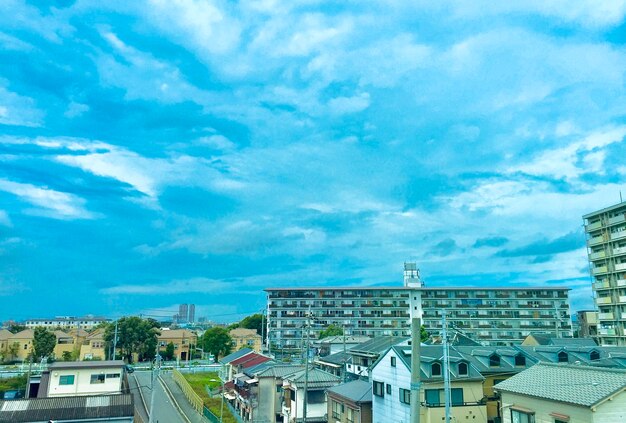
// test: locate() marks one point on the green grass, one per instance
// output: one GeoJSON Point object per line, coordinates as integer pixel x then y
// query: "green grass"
{"type": "Point", "coordinates": [18, 382]}
{"type": "Point", "coordinates": [198, 381]}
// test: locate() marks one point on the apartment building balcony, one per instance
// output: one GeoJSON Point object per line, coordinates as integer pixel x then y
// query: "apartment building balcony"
{"type": "Point", "coordinates": [620, 266]}
{"type": "Point", "coordinates": [621, 299]}
{"type": "Point", "coordinates": [502, 295]}
{"type": "Point", "coordinates": [617, 219]}
{"type": "Point", "coordinates": [595, 240]}
{"type": "Point", "coordinates": [606, 316]}
{"type": "Point", "coordinates": [598, 255]}
{"type": "Point", "coordinates": [609, 332]}
{"type": "Point", "coordinates": [618, 235]}
{"type": "Point", "coordinates": [621, 282]}
{"type": "Point", "coordinates": [602, 285]}
{"type": "Point", "coordinates": [524, 295]}
{"type": "Point", "coordinates": [619, 251]}
{"type": "Point", "coordinates": [482, 295]}
{"type": "Point", "coordinates": [461, 295]}
{"type": "Point", "coordinates": [604, 300]}
{"type": "Point", "coordinates": [623, 315]}
{"type": "Point", "coordinates": [593, 226]}
{"type": "Point", "coordinates": [599, 270]}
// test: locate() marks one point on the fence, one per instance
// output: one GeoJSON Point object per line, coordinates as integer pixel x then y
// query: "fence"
{"type": "Point", "coordinates": [193, 398]}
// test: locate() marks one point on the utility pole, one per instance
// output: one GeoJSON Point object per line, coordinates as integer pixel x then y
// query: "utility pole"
{"type": "Point", "coordinates": [155, 377]}
{"type": "Point", "coordinates": [446, 364]}
{"type": "Point", "coordinates": [416, 383]}
{"type": "Point", "coordinates": [115, 342]}
{"type": "Point", "coordinates": [306, 367]}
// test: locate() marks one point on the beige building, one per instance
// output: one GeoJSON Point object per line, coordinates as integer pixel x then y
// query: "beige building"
{"type": "Point", "coordinates": [24, 342]}
{"type": "Point", "coordinates": [93, 345]}
{"type": "Point", "coordinates": [606, 247]}
{"type": "Point", "coordinates": [4, 343]}
{"type": "Point", "coordinates": [350, 402]}
{"type": "Point", "coordinates": [185, 342]}
{"type": "Point", "coordinates": [558, 393]}
{"type": "Point", "coordinates": [245, 338]}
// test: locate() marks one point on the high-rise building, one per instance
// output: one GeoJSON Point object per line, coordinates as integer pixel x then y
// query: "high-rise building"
{"type": "Point", "coordinates": [192, 313]}
{"type": "Point", "coordinates": [606, 246]}
{"type": "Point", "coordinates": [183, 313]}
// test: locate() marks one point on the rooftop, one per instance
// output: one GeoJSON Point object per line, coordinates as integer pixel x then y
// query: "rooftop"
{"type": "Point", "coordinates": [357, 391]}
{"type": "Point", "coordinates": [59, 365]}
{"type": "Point", "coordinates": [234, 356]}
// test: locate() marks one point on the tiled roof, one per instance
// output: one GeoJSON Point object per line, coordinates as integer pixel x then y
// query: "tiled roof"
{"type": "Point", "coordinates": [234, 356]}
{"type": "Point", "coordinates": [339, 358]}
{"type": "Point", "coordinates": [280, 370]}
{"type": "Point", "coordinates": [249, 360]}
{"type": "Point", "coordinates": [356, 391]}
{"type": "Point", "coordinates": [25, 334]}
{"type": "Point", "coordinates": [177, 334]}
{"type": "Point", "coordinates": [5, 334]}
{"type": "Point", "coordinates": [339, 339]}
{"type": "Point", "coordinates": [66, 408]}
{"type": "Point", "coordinates": [378, 345]}
{"type": "Point", "coordinates": [316, 378]}
{"type": "Point", "coordinates": [574, 384]}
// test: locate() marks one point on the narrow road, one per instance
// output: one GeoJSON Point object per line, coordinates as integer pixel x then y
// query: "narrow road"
{"type": "Point", "coordinates": [164, 410]}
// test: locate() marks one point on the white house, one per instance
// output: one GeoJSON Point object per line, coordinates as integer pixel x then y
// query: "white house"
{"type": "Point", "coordinates": [559, 393]}
{"type": "Point", "coordinates": [82, 378]}
{"type": "Point", "coordinates": [317, 381]}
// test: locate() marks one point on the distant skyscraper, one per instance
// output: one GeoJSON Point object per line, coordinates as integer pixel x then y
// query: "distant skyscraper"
{"type": "Point", "coordinates": [192, 313]}
{"type": "Point", "coordinates": [606, 247]}
{"type": "Point", "coordinates": [183, 313]}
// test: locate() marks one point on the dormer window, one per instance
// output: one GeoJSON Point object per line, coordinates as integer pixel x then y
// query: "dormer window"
{"type": "Point", "coordinates": [594, 355]}
{"type": "Point", "coordinates": [563, 357]}
{"type": "Point", "coordinates": [494, 360]}
{"type": "Point", "coordinates": [435, 369]}
{"type": "Point", "coordinates": [520, 360]}
{"type": "Point", "coordinates": [463, 369]}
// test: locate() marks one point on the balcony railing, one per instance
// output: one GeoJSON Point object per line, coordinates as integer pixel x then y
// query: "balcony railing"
{"type": "Point", "coordinates": [610, 332]}
{"type": "Point", "coordinates": [617, 219]}
{"type": "Point", "coordinates": [606, 316]}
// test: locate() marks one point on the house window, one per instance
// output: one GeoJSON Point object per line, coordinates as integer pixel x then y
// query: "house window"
{"type": "Point", "coordinates": [432, 397]}
{"type": "Point", "coordinates": [66, 380]}
{"type": "Point", "coordinates": [337, 410]}
{"type": "Point", "coordinates": [435, 369]}
{"type": "Point", "coordinates": [518, 416]}
{"type": "Point", "coordinates": [494, 360]}
{"type": "Point", "coordinates": [350, 414]}
{"type": "Point", "coordinates": [405, 396]}
{"type": "Point", "coordinates": [594, 355]}
{"type": "Point", "coordinates": [97, 379]}
{"type": "Point", "coordinates": [456, 396]}
{"type": "Point", "coordinates": [388, 389]}
{"type": "Point", "coordinates": [436, 397]}
{"type": "Point", "coordinates": [393, 362]}
{"type": "Point", "coordinates": [378, 389]}
{"type": "Point", "coordinates": [563, 357]}
{"type": "Point", "coordinates": [462, 369]}
{"type": "Point", "coordinates": [520, 360]}
{"type": "Point", "coordinates": [113, 376]}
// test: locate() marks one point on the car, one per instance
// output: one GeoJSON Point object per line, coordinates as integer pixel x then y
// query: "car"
{"type": "Point", "coordinates": [12, 394]}
{"type": "Point", "coordinates": [129, 368]}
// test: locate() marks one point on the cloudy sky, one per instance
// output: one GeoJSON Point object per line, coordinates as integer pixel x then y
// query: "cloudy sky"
{"type": "Point", "coordinates": [168, 151]}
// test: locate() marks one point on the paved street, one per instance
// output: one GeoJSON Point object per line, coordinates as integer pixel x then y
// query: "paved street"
{"type": "Point", "coordinates": [164, 410]}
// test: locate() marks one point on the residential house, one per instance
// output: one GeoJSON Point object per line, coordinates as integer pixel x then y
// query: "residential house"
{"type": "Point", "coordinates": [245, 338]}
{"type": "Point", "coordinates": [24, 341]}
{"type": "Point", "coordinates": [365, 355]}
{"type": "Point", "coordinates": [93, 346]}
{"type": "Point", "coordinates": [4, 344]}
{"type": "Point", "coordinates": [248, 361]}
{"type": "Point", "coordinates": [559, 393]}
{"type": "Point", "coordinates": [184, 340]}
{"type": "Point", "coordinates": [350, 402]}
{"type": "Point", "coordinates": [587, 323]}
{"type": "Point", "coordinates": [336, 364]}
{"type": "Point", "coordinates": [269, 390]}
{"type": "Point", "coordinates": [391, 381]}
{"type": "Point", "coordinates": [334, 344]}
{"type": "Point", "coordinates": [88, 409]}
{"type": "Point", "coordinates": [225, 361]}
{"type": "Point", "coordinates": [71, 378]}
{"type": "Point", "coordinates": [66, 344]}
{"type": "Point", "coordinates": [317, 382]}
{"type": "Point", "coordinates": [243, 391]}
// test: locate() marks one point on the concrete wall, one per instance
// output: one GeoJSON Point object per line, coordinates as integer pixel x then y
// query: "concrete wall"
{"type": "Point", "coordinates": [82, 382]}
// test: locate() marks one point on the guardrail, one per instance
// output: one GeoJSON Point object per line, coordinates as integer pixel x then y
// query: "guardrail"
{"type": "Point", "coordinates": [194, 399]}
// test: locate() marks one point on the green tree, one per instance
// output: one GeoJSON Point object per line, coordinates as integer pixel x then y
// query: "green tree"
{"type": "Point", "coordinates": [217, 341]}
{"type": "Point", "coordinates": [169, 351]}
{"type": "Point", "coordinates": [134, 336]}
{"type": "Point", "coordinates": [331, 330]}
{"type": "Point", "coordinates": [424, 335]}
{"type": "Point", "coordinates": [67, 356]}
{"type": "Point", "coordinates": [15, 328]}
{"type": "Point", "coordinates": [43, 343]}
{"type": "Point", "coordinates": [254, 321]}
{"type": "Point", "coordinates": [12, 351]}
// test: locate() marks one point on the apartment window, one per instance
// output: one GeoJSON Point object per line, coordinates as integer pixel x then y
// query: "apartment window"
{"type": "Point", "coordinates": [66, 380]}
{"type": "Point", "coordinates": [435, 369]}
{"type": "Point", "coordinates": [520, 360]}
{"type": "Point", "coordinates": [563, 357]}
{"type": "Point", "coordinates": [393, 362]}
{"type": "Point", "coordinates": [518, 416]}
{"type": "Point", "coordinates": [378, 389]}
{"type": "Point", "coordinates": [388, 389]}
{"type": "Point", "coordinates": [337, 410]}
{"type": "Point", "coordinates": [97, 379]}
{"type": "Point", "coordinates": [463, 369]}
{"type": "Point", "coordinates": [405, 396]}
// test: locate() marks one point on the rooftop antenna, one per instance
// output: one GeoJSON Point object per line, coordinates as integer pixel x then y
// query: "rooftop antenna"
{"type": "Point", "coordinates": [620, 196]}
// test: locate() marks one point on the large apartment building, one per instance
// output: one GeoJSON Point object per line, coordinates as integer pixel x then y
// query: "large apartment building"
{"type": "Point", "coordinates": [606, 246]}
{"type": "Point", "coordinates": [67, 322]}
{"type": "Point", "coordinates": [492, 316]}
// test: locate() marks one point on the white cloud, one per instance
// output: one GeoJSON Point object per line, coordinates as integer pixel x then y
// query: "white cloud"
{"type": "Point", "coordinates": [5, 220]}
{"type": "Point", "coordinates": [345, 105]}
{"type": "Point", "coordinates": [75, 109]}
{"type": "Point", "coordinates": [49, 203]}
{"type": "Point", "coordinates": [199, 285]}
{"type": "Point", "coordinates": [18, 110]}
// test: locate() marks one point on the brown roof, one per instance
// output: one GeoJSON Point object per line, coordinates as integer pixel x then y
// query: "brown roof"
{"type": "Point", "coordinates": [177, 334]}
{"type": "Point", "coordinates": [25, 334]}
{"type": "Point", "coordinates": [4, 334]}
{"type": "Point", "coordinates": [243, 333]}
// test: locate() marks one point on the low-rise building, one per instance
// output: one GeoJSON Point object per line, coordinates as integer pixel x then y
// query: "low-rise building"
{"type": "Point", "coordinates": [245, 338]}
{"type": "Point", "coordinates": [184, 340]}
{"type": "Point", "coordinates": [350, 402]}
{"type": "Point", "coordinates": [20, 344]}
{"type": "Point", "coordinates": [4, 344]}
{"type": "Point", "coordinates": [564, 393]}
{"type": "Point", "coordinates": [74, 378]}
{"type": "Point", "coordinates": [587, 324]}
{"type": "Point", "coordinates": [93, 346]}
{"type": "Point", "coordinates": [317, 382]}
{"type": "Point", "coordinates": [87, 322]}
{"type": "Point", "coordinates": [269, 390]}
{"type": "Point", "coordinates": [335, 344]}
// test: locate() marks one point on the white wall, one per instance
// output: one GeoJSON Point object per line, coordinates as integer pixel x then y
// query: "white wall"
{"type": "Point", "coordinates": [389, 408]}
{"type": "Point", "coordinates": [82, 382]}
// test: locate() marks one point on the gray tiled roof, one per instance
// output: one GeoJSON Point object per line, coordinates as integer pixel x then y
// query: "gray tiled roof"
{"type": "Point", "coordinates": [378, 345]}
{"type": "Point", "coordinates": [356, 391]}
{"type": "Point", "coordinates": [66, 408]}
{"type": "Point", "coordinates": [316, 378]}
{"type": "Point", "coordinates": [339, 358]}
{"type": "Point", "coordinates": [574, 384]}
{"type": "Point", "coordinates": [280, 370]}
{"type": "Point", "coordinates": [234, 356]}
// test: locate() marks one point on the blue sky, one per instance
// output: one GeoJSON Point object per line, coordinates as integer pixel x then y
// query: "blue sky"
{"type": "Point", "coordinates": [159, 152]}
